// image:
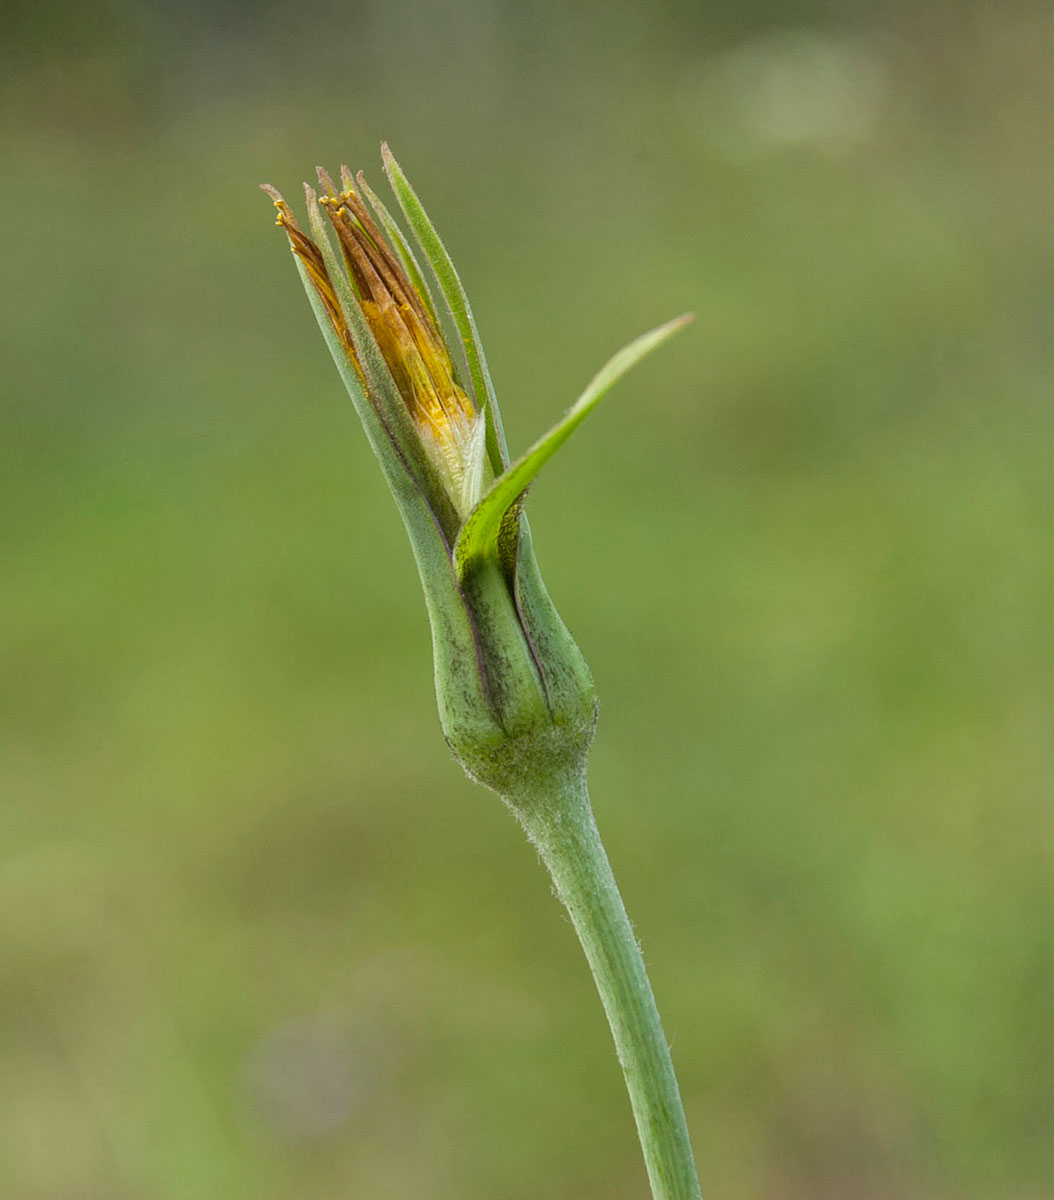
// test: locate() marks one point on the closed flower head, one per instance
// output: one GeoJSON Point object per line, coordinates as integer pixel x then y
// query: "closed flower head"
{"type": "Point", "coordinates": [508, 673]}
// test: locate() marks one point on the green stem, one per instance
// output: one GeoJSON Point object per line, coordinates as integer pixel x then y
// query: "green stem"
{"type": "Point", "coordinates": [559, 821]}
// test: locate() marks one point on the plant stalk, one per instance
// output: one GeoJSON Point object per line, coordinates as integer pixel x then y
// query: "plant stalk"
{"type": "Point", "coordinates": [559, 821]}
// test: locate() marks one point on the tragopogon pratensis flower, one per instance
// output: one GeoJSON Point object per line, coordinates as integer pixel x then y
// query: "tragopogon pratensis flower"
{"type": "Point", "coordinates": [515, 697]}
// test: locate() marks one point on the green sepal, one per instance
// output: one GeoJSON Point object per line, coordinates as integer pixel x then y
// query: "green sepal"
{"type": "Point", "coordinates": [454, 295]}
{"type": "Point", "coordinates": [491, 526]}
{"type": "Point", "coordinates": [566, 679]}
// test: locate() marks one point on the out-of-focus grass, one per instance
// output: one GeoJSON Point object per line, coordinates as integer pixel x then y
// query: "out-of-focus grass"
{"type": "Point", "coordinates": [257, 936]}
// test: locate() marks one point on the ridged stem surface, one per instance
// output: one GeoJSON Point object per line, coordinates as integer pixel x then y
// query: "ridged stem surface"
{"type": "Point", "coordinates": [559, 821]}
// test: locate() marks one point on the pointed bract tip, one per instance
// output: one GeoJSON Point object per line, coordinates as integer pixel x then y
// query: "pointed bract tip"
{"type": "Point", "coordinates": [346, 178]}
{"type": "Point", "coordinates": [325, 181]}
{"type": "Point", "coordinates": [273, 192]}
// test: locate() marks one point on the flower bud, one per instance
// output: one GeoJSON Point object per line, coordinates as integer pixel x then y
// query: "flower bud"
{"type": "Point", "coordinates": [514, 692]}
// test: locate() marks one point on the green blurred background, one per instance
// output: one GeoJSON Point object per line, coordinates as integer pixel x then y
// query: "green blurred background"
{"type": "Point", "coordinates": [258, 937]}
